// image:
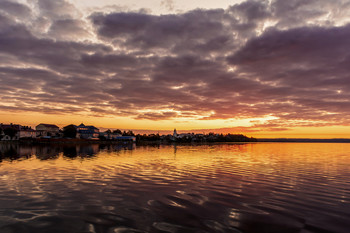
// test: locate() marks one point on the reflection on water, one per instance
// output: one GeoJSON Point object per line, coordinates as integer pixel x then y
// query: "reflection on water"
{"type": "Point", "coordinates": [262, 187]}
{"type": "Point", "coordinates": [15, 151]}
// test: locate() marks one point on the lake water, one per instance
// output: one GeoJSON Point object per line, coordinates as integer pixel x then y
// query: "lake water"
{"type": "Point", "coordinates": [261, 187]}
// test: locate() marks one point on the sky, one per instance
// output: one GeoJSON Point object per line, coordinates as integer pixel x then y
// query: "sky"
{"type": "Point", "coordinates": [262, 68]}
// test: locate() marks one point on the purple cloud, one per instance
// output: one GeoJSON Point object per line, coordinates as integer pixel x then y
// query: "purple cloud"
{"type": "Point", "coordinates": [255, 59]}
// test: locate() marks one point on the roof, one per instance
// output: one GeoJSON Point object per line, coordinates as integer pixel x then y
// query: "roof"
{"type": "Point", "coordinates": [89, 127]}
{"type": "Point", "coordinates": [48, 125]}
{"type": "Point", "coordinates": [28, 130]}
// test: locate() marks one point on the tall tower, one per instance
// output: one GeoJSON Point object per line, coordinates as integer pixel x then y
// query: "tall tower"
{"type": "Point", "coordinates": [175, 133]}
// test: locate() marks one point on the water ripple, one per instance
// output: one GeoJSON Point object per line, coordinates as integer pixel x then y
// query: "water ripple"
{"type": "Point", "coordinates": [248, 188]}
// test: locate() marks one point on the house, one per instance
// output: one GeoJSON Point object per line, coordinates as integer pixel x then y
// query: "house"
{"type": "Point", "coordinates": [18, 132]}
{"type": "Point", "coordinates": [126, 138]}
{"type": "Point", "coordinates": [47, 130]}
{"type": "Point", "coordinates": [184, 135]}
{"type": "Point", "coordinates": [27, 132]}
{"type": "Point", "coordinates": [87, 131]}
{"type": "Point", "coordinates": [115, 135]}
{"type": "Point", "coordinates": [109, 135]}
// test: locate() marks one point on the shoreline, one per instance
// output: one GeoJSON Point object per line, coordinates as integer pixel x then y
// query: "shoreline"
{"type": "Point", "coordinates": [64, 141]}
{"type": "Point", "coordinates": [145, 143]}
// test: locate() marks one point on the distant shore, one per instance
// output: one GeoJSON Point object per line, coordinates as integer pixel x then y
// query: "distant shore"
{"type": "Point", "coordinates": [147, 142]}
{"type": "Point", "coordinates": [332, 140]}
{"type": "Point", "coordinates": [65, 141]}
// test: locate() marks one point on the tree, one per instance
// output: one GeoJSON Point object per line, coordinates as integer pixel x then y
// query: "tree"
{"type": "Point", "coordinates": [129, 133]}
{"type": "Point", "coordinates": [11, 132]}
{"type": "Point", "coordinates": [117, 131]}
{"type": "Point", "coordinates": [69, 131]}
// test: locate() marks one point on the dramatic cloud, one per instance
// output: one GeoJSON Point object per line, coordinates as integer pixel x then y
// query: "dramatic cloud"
{"type": "Point", "coordinates": [285, 61]}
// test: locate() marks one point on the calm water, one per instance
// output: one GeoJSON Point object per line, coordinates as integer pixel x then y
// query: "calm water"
{"type": "Point", "coordinates": [263, 187]}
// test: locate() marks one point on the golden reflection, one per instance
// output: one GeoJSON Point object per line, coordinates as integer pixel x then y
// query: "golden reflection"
{"type": "Point", "coordinates": [262, 158]}
{"type": "Point", "coordinates": [248, 179]}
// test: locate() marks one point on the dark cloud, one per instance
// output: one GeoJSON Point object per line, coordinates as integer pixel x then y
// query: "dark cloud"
{"type": "Point", "coordinates": [285, 60]}
{"type": "Point", "coordinates": [307, 64]}
{"type": "Point", "coordinates": [300, 13]}
{"type": "Point", "coordinates": [197, 28]}
{"type": "Point", "coordinates": [58, 9]}
{"type": "Point", "coordinates": [68, 29]}
{"type": "Point", "coordinates": [14, 9]}
{"type": "Point", "coordinates": [157, 116]}
{"type": "Point", "coordinates": [250, 11]}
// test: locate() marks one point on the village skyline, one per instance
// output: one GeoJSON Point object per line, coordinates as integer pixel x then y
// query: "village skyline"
{"type": "Point", "coordinates": [101, 130]}
{"type": "Point", "coordinates": [161, 132]}
{"type": "Point", "coordinates": [50, 133]}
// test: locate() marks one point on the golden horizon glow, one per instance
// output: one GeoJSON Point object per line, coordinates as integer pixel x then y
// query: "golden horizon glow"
{"type": "Point", "coordinates": [167, 126]}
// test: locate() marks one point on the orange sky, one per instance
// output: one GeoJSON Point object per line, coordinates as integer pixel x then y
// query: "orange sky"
{"type": "Point", "coordinates": [165, 127]}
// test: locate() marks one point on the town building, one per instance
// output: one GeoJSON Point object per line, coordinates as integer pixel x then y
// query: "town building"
{"type": "Point", "coordinates": [27, 132]}
{"type": "Point", "coordinates": [15, 132]}
{"type": "Point", "coordinates": [47, 130]}
{"type": "Point", "coordinates": [126, 138]}
{"type": "Point", "coordinates": [87, 131]}
{"type": "Point", "coordinates": [109, 135]}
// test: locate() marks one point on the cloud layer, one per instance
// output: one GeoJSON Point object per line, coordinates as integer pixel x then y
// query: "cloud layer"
{"type": "Point", "coordinates": [286, 60]}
